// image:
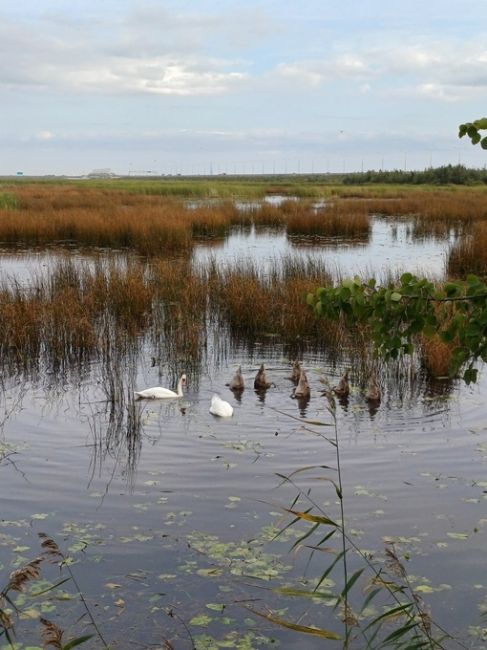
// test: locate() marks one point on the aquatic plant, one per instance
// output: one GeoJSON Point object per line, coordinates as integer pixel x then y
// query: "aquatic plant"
{"type": "Point", "coordinates": [52, 635]}
{"type": "Point", "coordinates": [376, 605]}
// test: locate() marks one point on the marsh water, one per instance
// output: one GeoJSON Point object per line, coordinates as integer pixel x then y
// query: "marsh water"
{"type": "Point", "coordinates": [170, 516]}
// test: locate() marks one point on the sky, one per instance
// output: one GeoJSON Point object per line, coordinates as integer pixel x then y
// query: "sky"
{"type": "Point", "coordinates": [227, 86]}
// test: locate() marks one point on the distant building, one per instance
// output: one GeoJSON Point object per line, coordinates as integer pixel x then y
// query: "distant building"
{"type": "Point", "coordinates": [104, 172]}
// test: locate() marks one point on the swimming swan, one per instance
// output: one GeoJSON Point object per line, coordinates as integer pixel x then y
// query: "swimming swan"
{"type": "Point", "coordinates": [237, 382]}
{"type": "Point", "coordinates": [162, 393]}
{"type": "Point", "coordinates": [260, 381]}
{"type": "Point", "coordinates": [302, 389]}
{"type": "Point", "coordinates": [220, 407]}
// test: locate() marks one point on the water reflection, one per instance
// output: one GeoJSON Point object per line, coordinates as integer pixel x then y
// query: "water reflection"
{"type": "Point", "coordinates": [388, 249]}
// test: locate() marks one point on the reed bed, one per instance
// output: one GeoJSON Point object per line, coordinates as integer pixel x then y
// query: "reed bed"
{"type": "Point", "coordinates": [449, 206]}
{"type": "Point", "coordinates": [79, 310]}
{"type": "Point", "coordinates": [148, 224]}
{"type": "Point", "coordinates": [435, 355]}
{"type": "Point", "coordinates": [469, 253]}
{"type": "Point", "coordinates": [337, 219]}
{"type": "Point", "coordinates": [40, 215]}
{"type": "Point", "coordinates": [272, 305]}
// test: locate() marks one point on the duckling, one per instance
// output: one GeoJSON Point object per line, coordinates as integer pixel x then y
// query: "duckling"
{"type": "Point", "coordinates": [237, 382]}
{"type": "Point", "coordinates": [302, 389]}
{"type": "Point", "coordinates": [373, 391]}
{"type": "Point", "coordinates": [260, 381]}
{"type": "Point", "coordinates": [343, 388]}
{"type": "Point", "coordinates": [296, 371]}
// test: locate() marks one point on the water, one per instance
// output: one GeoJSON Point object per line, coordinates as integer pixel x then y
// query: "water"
{"type": "Point", "coordinates": [391, 249]}
{"type": "Point", "coordinates": [170, 514]}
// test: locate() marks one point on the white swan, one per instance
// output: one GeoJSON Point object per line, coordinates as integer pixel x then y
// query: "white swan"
{"type": "Point", "coordinates": [162, 393]}
{"type": "Point", "coordinates": [220, 407]}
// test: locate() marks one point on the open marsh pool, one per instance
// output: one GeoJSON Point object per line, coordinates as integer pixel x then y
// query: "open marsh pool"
{"type": "Point", "coordinates": [170, 517]}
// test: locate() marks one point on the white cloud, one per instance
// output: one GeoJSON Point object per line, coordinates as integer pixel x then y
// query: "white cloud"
{"type": "Point", "coordinates": [317, 71]}
{"type": "Point", "coordinates": [88, 60]}
{"type": "Point", "coordinates": [45, 135]}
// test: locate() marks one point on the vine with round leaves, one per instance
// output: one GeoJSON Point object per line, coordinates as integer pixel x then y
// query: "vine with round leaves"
{"type": "Point", "coordinates": [398, 312]}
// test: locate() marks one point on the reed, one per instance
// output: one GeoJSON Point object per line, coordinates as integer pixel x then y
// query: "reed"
{"type": "Point", "coordinates": [435, 355]}
{"type": "Point", "coordinates": [272, 304]}
{"type": "Point", "coordinates": [469, 253]}
{"type": "Point", "coordinates": [445, 205]}
{"type": "Point", "coordinates": [338, 219]}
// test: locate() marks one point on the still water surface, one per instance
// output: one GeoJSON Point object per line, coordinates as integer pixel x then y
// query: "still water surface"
{"type": "Point", "coordinates": [172, 527]}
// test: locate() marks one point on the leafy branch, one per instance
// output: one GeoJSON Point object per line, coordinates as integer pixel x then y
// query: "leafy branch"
{"type": "Point", "coordinates": [395, 314]}
{"type": "Point", "coordinates": [471, 129]}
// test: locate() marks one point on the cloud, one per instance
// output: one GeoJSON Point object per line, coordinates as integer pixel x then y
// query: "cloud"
{"type": "Point", "coordinates": [44, 135]}
{"type": "Point", "coordinates": [125, 59]}
{"type": "Point", "coordinates": [318, 71]}
{"type": "Point", "coordinates": [444, 70]}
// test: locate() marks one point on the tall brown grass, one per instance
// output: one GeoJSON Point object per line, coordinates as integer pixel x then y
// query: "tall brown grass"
{"type": "Point", "coordinates": [469, 253]}
{"type": "Point", "coordinates": [337, 219]}
{"type": "Point", "coordinates": [39, 215]}
{"type": "Point", "coordinates": [271, 304]}
{"type": "Point", "coordinates": [148, 224]}
{"type": "Point", "coordinates": [82, 310]}
{"type": "Point", "coordinates": [444, 206]}
{"type": "Point", "coordinates": [435, 355]}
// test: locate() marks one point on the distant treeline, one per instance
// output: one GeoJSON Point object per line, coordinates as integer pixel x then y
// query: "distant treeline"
{"type": "Point", "coordinates": [455, 174]}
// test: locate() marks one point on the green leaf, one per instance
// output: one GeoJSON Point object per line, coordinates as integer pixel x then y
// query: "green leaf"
{"type": "Point", "coordinates": [78, 641]}
{"type": "Point", "coordinates": [314, 631]}
{"type": "Point", "coordinates": [314, 518]}
{"type": "Point", "coordinates": [396, 296]}
{"type": "Point", "coordinates": [470, 375]}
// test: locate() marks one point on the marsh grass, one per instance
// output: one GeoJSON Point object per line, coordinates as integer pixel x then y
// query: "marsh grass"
{"type": "Point", "coordinates": [435, 213]}
{"type": "Point", "coordinates": [469, 253]}
{"type": "Point", "coordinates": [75, 310]}
{"type": "Point", "coordinates": [337, 219]}
{"type": "Point", "coordinates": [271, 304]}
{"type": "Point", "coordinates": [115, 216]}
{"type": "Point", "coordinates": [436, 355]}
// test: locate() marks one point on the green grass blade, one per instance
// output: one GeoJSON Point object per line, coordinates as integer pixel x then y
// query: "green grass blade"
{"type": "Point", "coordinates": [78, 641]}
{"type": "Point", "coordinates": [314, 631]}
{"type": "Point", "coordinates": [330, 568]}
{"type": "Point", "coordinates": [391, 613]}
{"type": "Point", "coordinates": [313, 518]}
